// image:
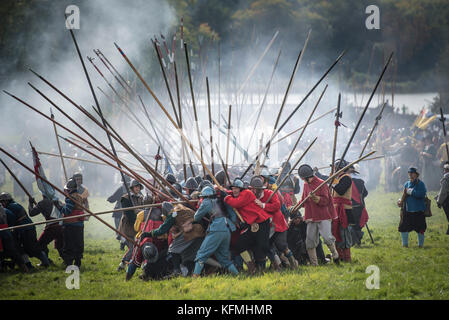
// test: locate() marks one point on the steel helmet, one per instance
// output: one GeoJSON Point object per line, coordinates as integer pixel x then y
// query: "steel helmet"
{"type": "Point", "coordinates": [5, 196]}
{"type": "Point", "coordinates": [204, 183]}
{"type": "Point", "coordinates": [136, 183]}
{"type": "Point", "coordinates": [238, 183]}
{"type": "Point", "coordinates": [221, 177]}
{"type": "Point", "coordinates": [207, 191]}
{"type": "Point", "coordinates": [71, 185]}
{"type": "Point", "coordinates": [170, 178]}
{"type": "Point", "coordinates": [167, 208]}
{"type": "Point", "coordinates": [264, 173]}
{"type": "Point", "coordinates": [191, 184]}
{"type": "Point", "coordinates": [150, 252]}
{"type": "Point", "coordinates": [257, 182]}
{"type": "Point", "coordinates": [305, 171]}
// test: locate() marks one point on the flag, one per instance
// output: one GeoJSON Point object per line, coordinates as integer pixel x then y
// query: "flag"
{"type": "Point", "coordinates": [426, 118]}
{"type": "Point", "coordinates": [43, 187]}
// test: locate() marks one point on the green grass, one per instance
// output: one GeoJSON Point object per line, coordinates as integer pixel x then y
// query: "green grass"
{"type": "Point", "coordinates": [405, 273]}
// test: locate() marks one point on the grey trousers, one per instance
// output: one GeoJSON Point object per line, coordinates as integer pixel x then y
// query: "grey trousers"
{"type": "Point", "coordinates": [315, 229]}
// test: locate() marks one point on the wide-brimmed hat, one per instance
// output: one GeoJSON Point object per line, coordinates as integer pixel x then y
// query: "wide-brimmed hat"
{"type": "Point", "coordinates": [413, 170]}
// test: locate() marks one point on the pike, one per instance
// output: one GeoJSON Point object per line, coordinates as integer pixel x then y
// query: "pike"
{"type": "Point", "coordinates": [112, 66]}
{"type": "Point", "coordinates": [369, 159]}
{"type": "Point", "coordinates": [264, 99]}
{"type": "Point", "coordinates": [193, 101]}
{"type": "Point", "coordinates": [178, 99]}
{"type": "Point", "coordinates": [290, 82]}
{"type": "Point", "coordinates": [130, 173]}
{"type": "Point", "coordinates": [18, 182]}
{"type": "Point", "coordinates": [99, 110]}
{"type": "Point", "coordinates": [116, 136]}
{"type": "Point", "coordinates": [337, 123]}
{"type": "Point", "coordinates": [137, 120]}
{"type": "Point", "coordinates": [154, 129]}
{"type": "Point", "coordinates": [59, 146]}
{"type": "Point", "coordinates": [93, 214]}
{"type": "Point", "coordinates": [442, 119]}
{"type": "Point", "coordinates": [167, 114]}
{"type": "Point", "coordinates": [157, 177]}
{"type": "Point", "coordinates": [366, 107]}
{"type": "Point", "coordinates": [302, 132]}
{"type": "Point", "coordinates": [298, 106]}
{"type": "Point", "coordinates": [291, 170]}
{"type": "Point", "coordinates": [222, 164]}
{"type": "Point", "coordinates": [295, 208]}
{"type": "Point", "coordinates": [107, 67]}
{"type": "Point", "coordinates": [227, 140]}
{"type": "Point", "coordinates": [68, 196]}
{"type": "Point", "coordinates": [376, 123]}
{"type": "Point", "coordinates": [76, 158]}
{"type": "Point", "coordinates": [210, 127]}
{"type": "Point", "coordinates": [158, 157]}
{"type": "Point", "coordinates": [300, 128]}
{"type": "Point", "coordinates": [166, 81]}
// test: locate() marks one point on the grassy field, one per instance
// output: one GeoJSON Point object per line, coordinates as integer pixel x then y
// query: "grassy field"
{"type": "Point", "coordinates": [405, 273]}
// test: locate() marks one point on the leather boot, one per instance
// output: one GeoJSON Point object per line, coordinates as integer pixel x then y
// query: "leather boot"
{"type": "Point", "coordinates": [276, 263]}
{"type": "Point", "coordinates": [251, 267]}
{"type": "Point", "coordinates": [348, 254]}
{"type": "Point", "coordinates": [312, 257]}
{"type": "Point", "coordinates": [293, 262]}
{"type": "Point", "coordinates": [334, 252]}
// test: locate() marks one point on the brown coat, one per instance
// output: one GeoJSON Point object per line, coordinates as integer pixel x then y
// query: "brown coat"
{"type": "Point", "coordinates": [126, 226]}
{"type": "Point", "coordinates": [183, 215]}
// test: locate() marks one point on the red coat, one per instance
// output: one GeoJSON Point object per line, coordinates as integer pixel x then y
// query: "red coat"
{"type": "Point", "coordinates": [274, 208]}
{"type": "Point", "coordinates": [324, 210]}
{"type": "Point", "coordinates": [247, 208]}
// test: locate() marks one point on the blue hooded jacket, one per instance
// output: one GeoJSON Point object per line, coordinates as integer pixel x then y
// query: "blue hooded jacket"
{"type": "Point", "coordinates": [415, 202]}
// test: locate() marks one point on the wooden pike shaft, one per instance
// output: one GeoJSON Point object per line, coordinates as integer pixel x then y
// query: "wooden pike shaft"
{"type": "Point", "coordinates": [193, 102]}
{"type": "Point", "coordinates": [90, 214]}
{"type": "Point", "coordinates": [337, 123]}
{"type": "Point", "coordinates": [264, 100]}
{"type": "Point", "coordinates": [300, 128]}
{"type": "Point", "coordinates": [366, 107]}
{"type": "Point", "coordinates": [130, 173]}
{"type": "Point", "coordinates": [297, 107]}
{"type": "Point", "coordinates": [59, 147]}
{"type": "Point", "coordinates": [374, 128]}
{"type": "Point", "coordinates": [210, 127]}
{"type": "Point", "coordinates": [106, 59]}
{"type": "Point", "coordinates": [302, 132]}
{"type": "Point", "coordinates": [183, 146]}
{"type": "Point", "coordinates": [18, 181]}
{"type": "Point", "coordinates": [227, 140]}
{"type": "Point", "coordinates": [99, 109]}
{"type": "Point", "coordinates": [68, 196]}
{"type": "Point", "coordinates": [166, 81]}
{"type": "Point", "coordinates": [222, 164]}
{"type": "Point", "coordinates": [167, 114]}
{"type": "Point", "coordinates": [290, 82]}
{"type": "Point", "coordinates": [78, 159]}
{"type": "Point", "coordinates": [369, 159]}
{"type": "Point", "coordinates": [295, 208]}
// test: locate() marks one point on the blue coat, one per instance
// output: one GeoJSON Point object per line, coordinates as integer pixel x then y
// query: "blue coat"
{"type": "Point", "coordinates": [218, 224]}
{"type": "Point", "coordinates": [415, 202]}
